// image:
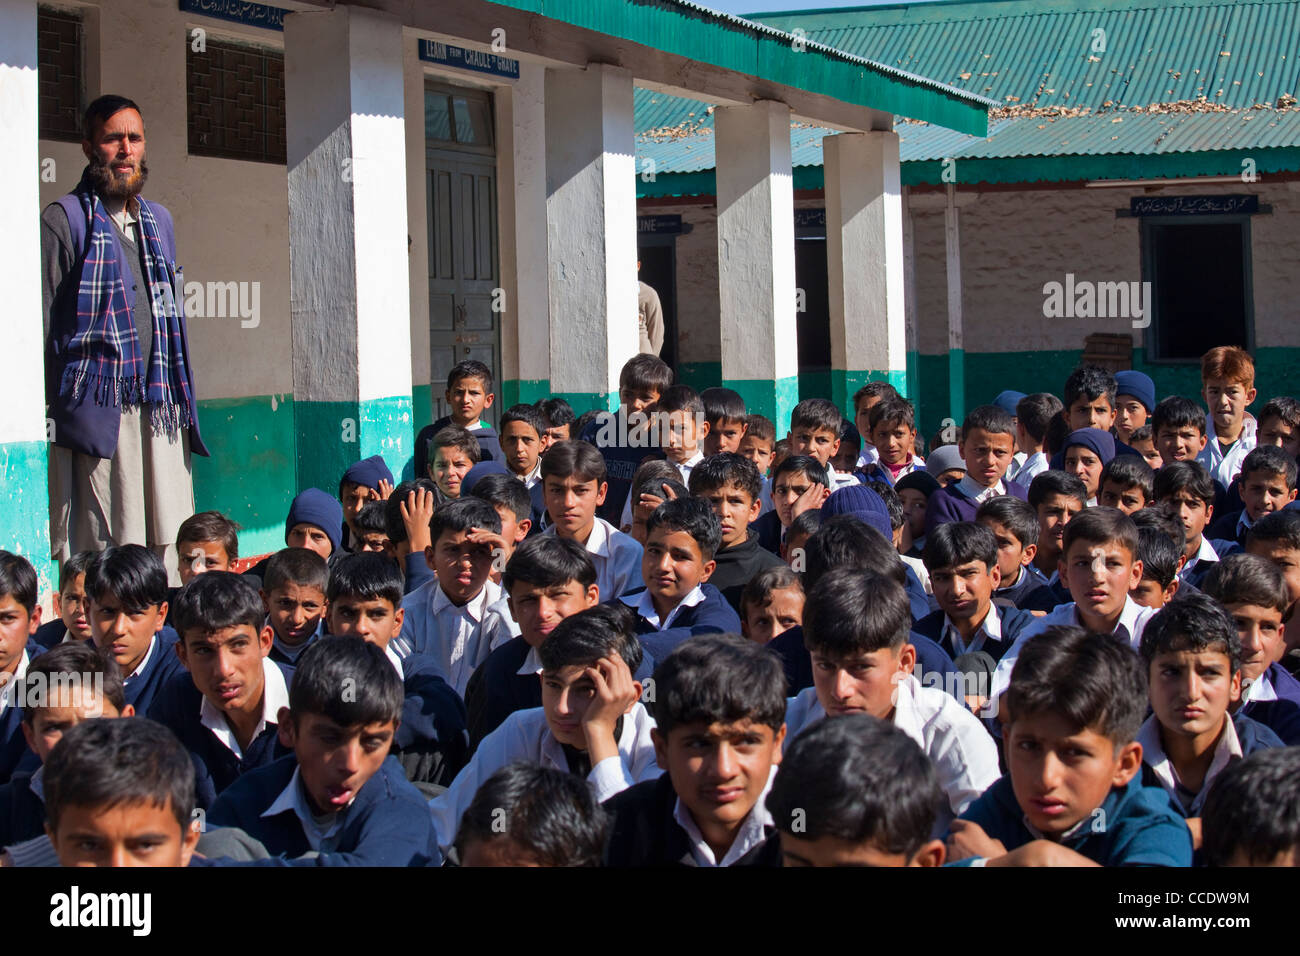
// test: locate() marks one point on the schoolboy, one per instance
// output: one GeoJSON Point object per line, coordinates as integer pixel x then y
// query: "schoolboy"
{"type": "Point", "coordinates": [1090, 398]}
{"type": "Point", "coordinates": [1057, 498]}
{"type": "Point", "coordinates": [1253, 591]}
{"type": "Point", "coordinates": [1279, 424]}
{"type": "Point", "coordinates": [893, 433]}
{"type": "Point", "coordinates": [656, 481]}
{"type": "Point", "coordinates": [469, 394]}
{"type": "Point", "coordinates": [453, 451]}
{"type": "Point", "coordinates": [523, 428]}
{"type": "Point", "coordinates": [1126, 484]}
{"type": "Point", "coordinates": [1075, 704]}
{"type": "Point", "coordinates": [724, 410]}
{"type": "Point", "coordinates": [526, 815]}
{"type": "Point", "coordinates": [856, 627]}
{"type": "Point", "coordinates": [226, 709]}
{"type": "Point", "coordinates": [460, 616]}
{"type": "Point", "coordinates": [719, 710]}
{"type": "Point", "coordinates": [643, 379]}
{"type": "Point", "coordinates": [365, 596]}
{"type": "Point", "coordinates": [1034, 413]}
{"type": "Point", "coordinates": [559, 420]}
{"type": "Point", "coordinates": [1228, 387]}
{"type": "Point", "coordinates": [70, 622]}
{"type": "Point", "coordinates": [1267, 484]}
{"type": "Point", "coordinates": [1277, 538]}
{"type": "Point", "coordinates": [682, 536]}
{"type": "Point", "coordinates": [20, 616]}
{"type": "Point", "coordinates": [293, 596]}
{"type": "Point", "coordinates": [799, 484]}
{"type": "Point", "coordinates": [914, 491]}
{"type": "Point", "coordinates": [367, 480]}
{"type": "Point", "coordinates": [1135, 400]}
{"type": "Point", "coordinates": [1178, 425]}
{"type": "Point", "coordinates": [986, 446]}
{"type": "Point", "coordinates": [547, 579]}
{"type": "Point", "coordinates": [1087, 452]}
{"type": "Point", "coordinates": [315, 522]}
{"type": "Point", "coordinates": [731, 485]}
{"type": "Point", "coordinates": [682, 428]}
{"type": "Point", "coordinates": [1193, 660]}
{"type": "Point", "coordinates": [945, 464]}
{"type": "Point", "coordinates": [1014, 526]}
{"type": "Point", "coordinates": [591, 722]}
{"type": "Point", "coordinates": [771, 604]}
{"type": "Point", "coordinates": [856, 791]}
{"type": "Point", "coordinates": [120, 793]}
{"type": "Point", "coordinates": [575, 485]}
{"type": "Point", "coordinates": [340, 794]}
{"type": "Point", "coordinates": [864, 400]}
{"type": "Point", "coordinates": [794, 548]}
{"type": "Point", "coordinates": [1186, 490]}
{"type": "Point", "coordinates": [406, 521]}
{"type": "Point", "coordinates": [126, 594]}
{"type": "Point", "coordinates": [513, 506]}
{"type": "Point", "coordinates": [207, 541]}
{"type": "Point", "coordinates": [845, 460]}
{"type": "Point", "coordinates": [75, 684]}
{"type": "Point", "coordinates": [815, 431]}
{"type": "Point", "coordinates": [1252, 815]}
{"type": "Point", "coordinates": [372, 531]}
{"type": "Point", "coordinates": [1161, 560]}
{"type": "Point", "coordinates": [1100, 565]}
{"type": "Point", "coordinates": [758, 442]}
{"type": "Point", "coordinates": [962, 559]}
{"type": "Point", "coordinates": [1143, 441]}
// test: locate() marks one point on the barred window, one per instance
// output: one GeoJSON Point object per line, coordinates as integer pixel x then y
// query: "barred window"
{"type": "Point", "coordinates": [59, 74]}
{"type": "Point", "coordinates": [235, 96]}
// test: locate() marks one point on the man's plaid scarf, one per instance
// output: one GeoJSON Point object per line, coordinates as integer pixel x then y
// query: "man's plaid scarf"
{"type": "Point", "coordinates": [103, 355]}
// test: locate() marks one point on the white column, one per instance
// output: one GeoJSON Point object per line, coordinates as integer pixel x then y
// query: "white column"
{"type": "Point", "coordinates": [756, 287]}
{"type": "Point", "coordinates": [864, 261]}
{"type": "Point", "coordinates": [591, 231]}
{"type": "Point", "coordinates": [24, 529]}
{"type": "Point", "coordinates": [521, 179]}
{"type": "Point", "coordinates": [350, 304]}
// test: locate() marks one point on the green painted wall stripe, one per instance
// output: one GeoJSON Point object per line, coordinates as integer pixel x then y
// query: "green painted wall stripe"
{"type": "Point", "coordinates": [586, 401]}
{"type": "Point", "coordinates": [516, 391]}
{"type": "Point", "coordinates": [845, 382]}
{"type": "Point", "coordinates": [699, 375]}
{"type": "Point", "coordinates": [25, 477]}
{"type": "Point", "coordinates": [774, 399]}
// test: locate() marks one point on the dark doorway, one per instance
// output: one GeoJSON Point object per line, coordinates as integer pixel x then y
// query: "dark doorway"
{"type": "Point", "coordinates": [813, 322]}
{"type": "Point", "coordinates": [659, 272]}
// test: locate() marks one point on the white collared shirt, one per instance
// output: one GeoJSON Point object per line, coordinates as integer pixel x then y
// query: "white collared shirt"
{"type": "Point", "coordinates": [1205, 552]}
{"type": "Point", "coordinates": [617, 557]}
{"type": "Point", "coordinates": [1133, 619]}
{"type": "Point", "coordinates": [532, 664]}
{"type": "Point", "coordinates": [1243, 523]}
{"type": "Point", "coordinates": [533, 477]}
{"type": "Point", "coordinates": [275, 694]}
{"type": "Point", "coordinates": [990, 629]}
{"type": "Point", "coordinates": [294, 797]}
{"type": "Point", "coordinates": [964, 755]}
{"type": "Point", "coordinates": [458, 638]}
{"type": "Point", "coordinates": [1222, 467]}
{"type": "Point", "coordinates": [525, 735]}
{"type": "Point", "coordinates": [294, 651]}
{"type": "Point", "coordinates": [7, 688]}
{"type": "Point", "coordinates": [837, 480]}
{"type": "Point", "coordinates": [969, 487]}
{"type": "Point", "coordinates": [751, 833]}
{"type": "Point", "coordinates": [685, 468]}
{"type": "Point", "coordinates": [1226, 749]}
{"type": "Point", "coordinates": [144, 661]}
{"type": "Point", "coordinates": [1034, 465]}
{"type": "Point", "coordinates": [870, 455]}
{"type": "Point", "coordinates": [395, 660]}
{"type": "Point", "coordinates": [643, 604]}
{"type": "Point", "coordinates": [1260, 689]}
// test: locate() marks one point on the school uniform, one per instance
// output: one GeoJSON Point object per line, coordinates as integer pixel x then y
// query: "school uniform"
{"type": "Point", "coordinates": [488, 443]}
{"type": "Point", "coordinates": [22, 807]}
{"type": "Point", "coordinates": [621, 461]}
{"type": "Point", "coordinates": [738, 565]}
{"type": "Point", "coordinates": [617, 557]}
{"type": "Point", "coordinates": [684, 468]}
{"type": "Point", "coordinates": [1225, 466]}
{"type": "Point", "coordinates": [417, 572]}
{"type": "Point", "coordinates": [526, 736]}
{"type": "Point", "coordinates": [702, 611]}
{"type": "Point", "coordinates": [431, 742]}
{"type": "Point", "coordinates": [1231, 526]}
{"type": "Point", "coordinates": [1239, 738]}
{"type": "Point", "coordinates": [960, 500]}
{"type": "Point", "coordinates": [965, 757]}
{"type": "Point", "coordinates": [288, 654]}
{"type": "Point", "coordinates": [653, 828]}
{"type": "Point", "coordinates": [879, 471]}
{"type": "Point", "coordinates": [932, 661]}
{"type": "Point", "coordinates": [386, 824]}
{"type": "Point", "coordinates": [457, 638]}
{"type": "Point", "coordinates": [768, 531]}
{"type": "Point", "coordinates": [1033, 466]}
{"type": "Point", "coordinates": [1274, 701]}
{"type": "Point", "coordinates": [51, 634]}
{"type": "Point", "coordinates": [1133, 618]}
{"type": "Point", "coordinates": [1028, 592]}
{"type": "Point", "coordinates": [837, 480]}
{"type": "Point", "coordinates": [765, 498]}
{"type": "Point", "coordinates": [159, 667]}
{"type": "Point", "coordinates": [996, 633]}
{"type": "Point", "coordinates": [202, 729]}
{"type": "Point", "coordinates": [1207, 555]}
{"type": "Point", "coordinates": [1133, 826]}
{"type": "Point", "coordinates": [14, 754]}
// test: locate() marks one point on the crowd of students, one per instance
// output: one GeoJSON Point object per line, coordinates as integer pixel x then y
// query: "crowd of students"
{"type": "Point", "coordinates": [662, 636]}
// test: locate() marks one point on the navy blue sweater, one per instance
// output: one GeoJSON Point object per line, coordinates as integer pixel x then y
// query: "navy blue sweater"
{"type": "Point", "coordinates": [1224, 528]}
{"type": "Point", "coordinates": [949, 504]}
{"type": "Point", "coordinates": [14, 753]}
{"type": "Point", "coordinates": [162, 666]}
{"type": "Point", "coordinates": [621, 463]}
{"type": "Point", "coordinates": [1282, 716]}
{"type": "Point", "coordinates": [1011, 620]}
{"type": "Point", "coordinates": [431, 743]}
{"type": "Point", "coordinates": [1029, 593]}
{"type": "Point", "coordinates": [50, 634]}
{"type": "Point", "coordinates": [497, 689]}
{"type": "Point", "coordinates": [713, 615]}
{"type": "Point", "coordinates": [388, 824]}
{"type": "Point", "coordinates": [22, 812]}
{"type": "Point", "coordinates": [766, 529]}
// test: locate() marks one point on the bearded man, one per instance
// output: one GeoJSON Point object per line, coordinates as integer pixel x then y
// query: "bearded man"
{"type": "Point", "coordinates": [118, 378]}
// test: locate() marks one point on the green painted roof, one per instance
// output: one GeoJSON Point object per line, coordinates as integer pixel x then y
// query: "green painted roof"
{"type": "Point", "coordinates": [766, 52]}
{"type": "Point", "coordinates": [1165, 89]}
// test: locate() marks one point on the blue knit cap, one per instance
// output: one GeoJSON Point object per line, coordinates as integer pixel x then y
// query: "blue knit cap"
{"type": "Point", "coordinates": [1139, 385]}
{"type": "Point", "coordinates": [1103, 443]}
{"type": "Point", "coordinates": [368, 472]}
{"type": "Point", "coordinates": [861, 502]}
{"type": "Point", "coordinates": [480, 470]}
{"type": "Point", "coordinates": [315, 507]}
{"type": "Point", "coordinates": [1008, 400]}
